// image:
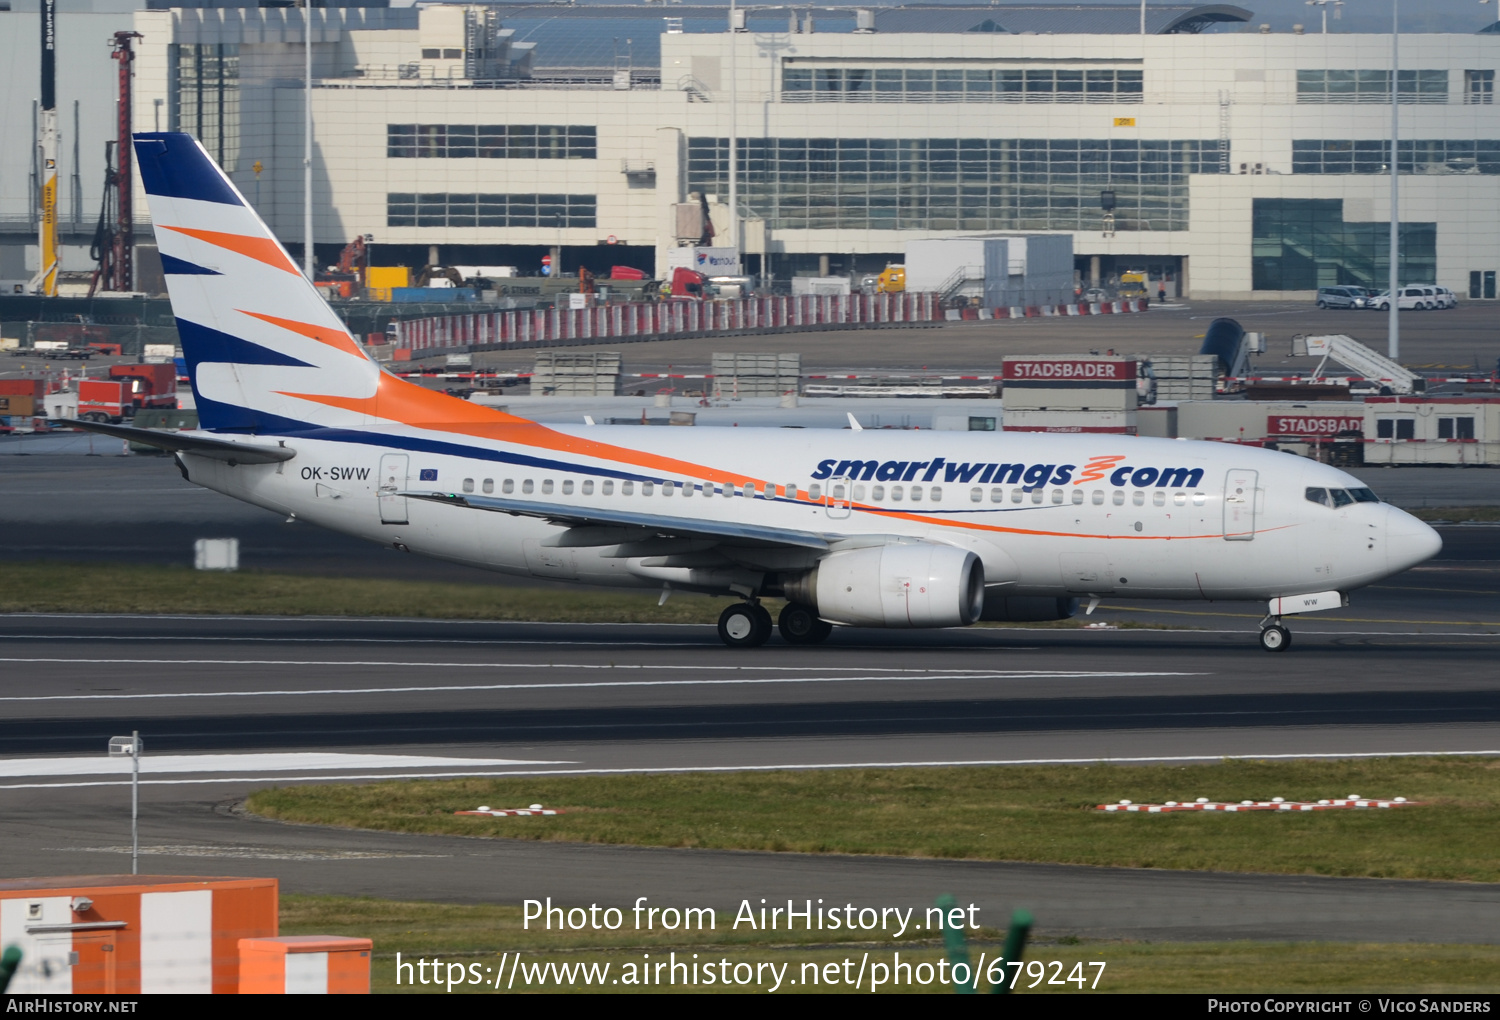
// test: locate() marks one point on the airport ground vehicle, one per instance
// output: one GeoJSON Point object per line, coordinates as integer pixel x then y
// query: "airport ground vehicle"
{"type": "Point", "coordinates": [126, 390]}
{"type": "Point", "coordinates": [854, 527]}
{"type": "Point", "coordinates": [1413, 298]}
{"type": "Point", "coordinates": [1341, 297]}
{"type": "Point", "coordinates": [1132, 285]}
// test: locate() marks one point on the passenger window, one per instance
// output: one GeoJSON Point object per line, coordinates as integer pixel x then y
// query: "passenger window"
{"type": "Point", "coordinates": [976, 495]}
{"type": "Point", "coordinates": [935, 494]}
{"type": "Point", "coordinates": [647, 488]}
{"type": "Point", "coordinates": [1137, 498]}
{"type": "Point", "coordinates": [838, 491]}
{"type": "Point", "coordinates": [687, 489]}
{"type": "Point", "coordinates": [1364, 496]}
{"type": "Point", "coordinates": [997, 495]}
{"type": "Point", "coordinates": [1319, 496]}
{"type": "Point", "coordinates": [588, 487]}
{"type": "Point", "coordinates": [1119, 497]}
{"type": "Point", "coordinates": [1158, 498]}
{"type": "Point", "coordinates": [896, 493]}
{"type": "Point", "coordinates": [814, 491]}
{"type": "Point", "coordinates": [1098, 497]}
{"type": "Point", "coordinates": [528, 486]}
{"type": "Point", "coordinates": [1016, 494]}
{"type": "Point", "coordinates": [488, 486]}
{"type": "Point", "coordinates": [1057, 497]}
{"type": "Point", "coordinates": [749, 491]}
{"type": "Point", "coordinates": [627, 488]}
{"type": "Point", "coordinates": [468, 485]}
{"type": "Point", "coordinates": [877, 493]}
{"type": "Point", "coordinates": [508, 486]}
{"type": "Point", "coordinates": [607, 488]}
{"type": "Point", "coordinates": [791, 492]}
{"type": "Point", "coordinates": [547, 486]}
{"type": "Point", "coordinates": [1198, 498]}
{"type": "Point", "coordinates": [859, 493]}
{"type": "Point", "coordinates": [567, 487]}
{"type": "Point", "coordinates": [1077, 497]}
{"type": "Point", "coordinates": [1036, 495]}
{"type": "Point", "coordinates": [1340, 498]}
{"type": "Point", "coordinates": [667, 488]}
{"type": "Point", "coordinates": [916, 494]}
{"type": "Point", "coordinates": [1179, 498]}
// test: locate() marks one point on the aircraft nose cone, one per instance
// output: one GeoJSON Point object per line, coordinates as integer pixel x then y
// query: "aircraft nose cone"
{"type": "Point", "coordinates": [1408, 541]}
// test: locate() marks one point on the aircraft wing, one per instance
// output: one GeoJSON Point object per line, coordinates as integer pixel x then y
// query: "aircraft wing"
{"type": "Point", "coordinates": [219, 449]}
{"type": "Point", "coordinates": [659, 524]}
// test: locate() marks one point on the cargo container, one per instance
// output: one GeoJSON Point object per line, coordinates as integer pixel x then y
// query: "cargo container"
{"type": "Point", "coordinates": [23, 388]}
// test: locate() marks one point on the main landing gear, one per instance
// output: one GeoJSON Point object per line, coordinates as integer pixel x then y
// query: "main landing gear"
{"type": "Point", "coordinates": [1273, 636]}
{"type": "Point", "coordinates": [748, 625]}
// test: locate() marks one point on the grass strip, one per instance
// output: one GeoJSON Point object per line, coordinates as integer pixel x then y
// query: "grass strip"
{"type": "Point", "coordinates": [1448, 514]}
{"type": "Point", "coordinates": [469, 935]}
{"type": "Point", "coordinates": [1043, 813]}
{"type": "Point", "coordinates": [41, 587]}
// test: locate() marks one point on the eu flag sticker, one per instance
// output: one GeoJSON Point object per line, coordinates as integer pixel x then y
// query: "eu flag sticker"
{"type": "Point", "coordinates": [429, 474]}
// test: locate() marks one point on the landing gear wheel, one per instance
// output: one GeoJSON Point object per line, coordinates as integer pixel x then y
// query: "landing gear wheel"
{"type": "Point", "coordinates": [744, 626]}
{"type": "Point", "coordinates": [1275, 638]}
{"type": "Point", "coordinates": [801, 626]}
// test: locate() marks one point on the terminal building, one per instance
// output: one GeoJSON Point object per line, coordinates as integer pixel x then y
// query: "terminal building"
{"type": "Point", "coordinates": [1223, 160]}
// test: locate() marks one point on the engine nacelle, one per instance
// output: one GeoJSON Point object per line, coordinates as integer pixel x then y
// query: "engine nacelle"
{"type": "Point", "coordinates": [1028, 608]}
{"type": "Point", "coordinates": [919, 584]}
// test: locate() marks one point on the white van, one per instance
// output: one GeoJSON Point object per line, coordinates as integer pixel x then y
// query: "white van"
{"type": "Point", "coordinates": [1408, 298]}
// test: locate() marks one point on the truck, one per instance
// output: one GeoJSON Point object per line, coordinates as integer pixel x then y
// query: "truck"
{"type": "Point", "coordinates": [1132, 285]}
{"type": "Point", "coordinates": [127, 389]}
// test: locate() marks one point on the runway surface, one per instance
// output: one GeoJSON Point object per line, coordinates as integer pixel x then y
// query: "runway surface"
{"type": "Point", "coordinates": [230, 705]}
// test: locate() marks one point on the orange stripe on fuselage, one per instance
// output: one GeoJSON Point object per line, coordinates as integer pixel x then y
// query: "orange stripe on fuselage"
{"type": "Point", "coordinates": [335, 338]}
{"type": "Point", "coordinates": [399, 401]}
{"type": "Point", "coordinates": [261, 249]}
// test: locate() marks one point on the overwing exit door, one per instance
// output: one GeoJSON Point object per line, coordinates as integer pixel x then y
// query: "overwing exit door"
{"type": "Point", "coordinates": [1239, 505]}
{"type": "Point", "coordinates": [392, 481]}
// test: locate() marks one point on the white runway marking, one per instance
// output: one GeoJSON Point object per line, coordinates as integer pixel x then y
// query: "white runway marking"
{"type": "Point", "coordinates": [788, 767]}
{"type": "Point", "coordinates": [253, 762]}
{"type": "Point", "coordinates": [249, 853]}
{"type": "Point", "coordinates": [869, 675]}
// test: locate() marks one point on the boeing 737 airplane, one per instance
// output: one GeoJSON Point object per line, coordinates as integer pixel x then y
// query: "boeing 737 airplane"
{"type": "Point", "coordinates": [889, 529]}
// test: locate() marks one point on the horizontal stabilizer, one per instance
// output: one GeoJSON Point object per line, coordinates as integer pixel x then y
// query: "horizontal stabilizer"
{"type": "Point", "coordinates": [178, 442]}
{"type": "Point", "coordinates": [575, 515]}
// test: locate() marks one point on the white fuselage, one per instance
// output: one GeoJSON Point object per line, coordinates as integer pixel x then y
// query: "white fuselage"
{"type": "Point", "coordinates": [1048, 515]}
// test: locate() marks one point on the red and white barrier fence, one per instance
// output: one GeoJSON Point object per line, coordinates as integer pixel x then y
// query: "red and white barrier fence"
{"type": "Point", "coordinates": [672, 318]}
{"type": "Point", "coordinates": [664, 319]}
{"type": "Point", "coordinates": [1274, 804]}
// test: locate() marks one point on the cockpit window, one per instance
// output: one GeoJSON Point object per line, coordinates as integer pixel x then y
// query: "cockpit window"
{"type": "Point", "coordinates": [1364, 496]}
{"type": "Point", "coordinates": [1318, 496]}
{"type": "Point", "coordinates": [1340, 498]}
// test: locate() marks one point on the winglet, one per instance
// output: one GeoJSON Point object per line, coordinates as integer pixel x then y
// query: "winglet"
{"type": "Point", "coordinates": [854, 422]}
{"type": "Point", "coordinates": [588, 419]}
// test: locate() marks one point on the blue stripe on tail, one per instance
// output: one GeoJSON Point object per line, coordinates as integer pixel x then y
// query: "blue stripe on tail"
{"type": "Point", "coordinates": [172, 165]}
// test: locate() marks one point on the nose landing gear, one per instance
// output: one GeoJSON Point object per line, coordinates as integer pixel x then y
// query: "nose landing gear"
{"type": "Point", "coordinates": [1273, 636]}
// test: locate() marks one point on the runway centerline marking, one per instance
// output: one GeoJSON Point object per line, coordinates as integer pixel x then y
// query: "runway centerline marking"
{"type": "Point", "coordinates": [801, 767]}
{"type": "Point", "coordinates": [268, 761]}
{"type": "Point", "coordinates": [580, 685]}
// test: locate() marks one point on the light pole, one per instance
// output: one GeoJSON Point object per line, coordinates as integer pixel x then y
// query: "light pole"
{"type": "Point", "coordinates": [1393, 330]}
{"type": "Point", "coordinates": [1323, 5]}
{"type": "Point", "coordinates": [734, 129]}
{"type": "Point", "coordinates": [308, 266]}
{"type": "Point", "coordinates": [130, 747]}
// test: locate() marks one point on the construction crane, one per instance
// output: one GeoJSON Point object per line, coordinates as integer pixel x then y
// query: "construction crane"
{"type": "Point", "coordinates": [113, 249]}
{"type": "Point", "coordinates": [45, 280]}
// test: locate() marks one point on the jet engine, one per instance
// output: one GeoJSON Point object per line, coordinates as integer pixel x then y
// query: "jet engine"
{"type": "Point", "coordinates": [1028, 609]}
{"type": "Point", "coordinates": [918, 584]}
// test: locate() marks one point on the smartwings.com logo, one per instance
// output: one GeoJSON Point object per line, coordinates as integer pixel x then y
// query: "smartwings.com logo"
{"type": "Point", "coordinates": [1098, 469]}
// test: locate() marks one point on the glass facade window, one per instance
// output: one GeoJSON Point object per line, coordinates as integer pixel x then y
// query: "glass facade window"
{"type": "Point", "coordinates": [958, 85]}
{"type": "Point", "coordinates": [204, 87]}
{"type": "Point", "coordinates": [1304, 244]}
{"type": "Point", "coordinates": [956, 183]}
{"type": "Point", "coordinates": [429, 209]}
{"type": "Point", "coordinates": [1418, 156]}
{"type": "Point", "coordinates": [1479, 87]}
{"type": "Point", "coordinates": [1354, 86]}
{"type": "Point", "coordinates": [491, 141]}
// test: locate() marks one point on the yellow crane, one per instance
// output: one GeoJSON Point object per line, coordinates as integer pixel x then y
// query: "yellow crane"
{"type": "Point", "coordinates": [45, 280]}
